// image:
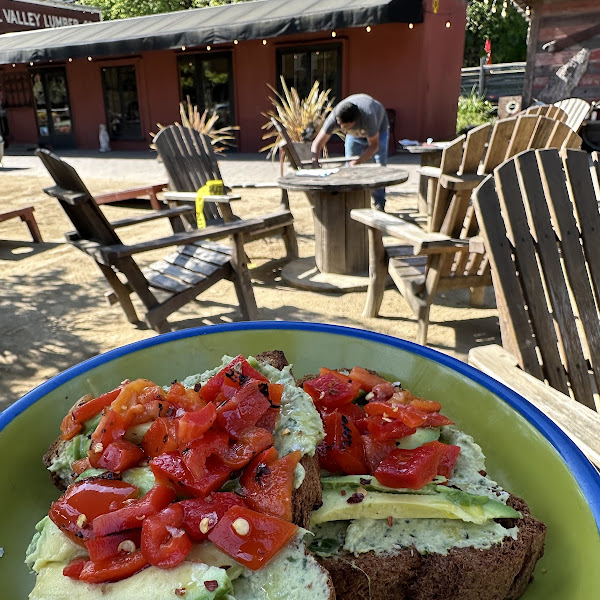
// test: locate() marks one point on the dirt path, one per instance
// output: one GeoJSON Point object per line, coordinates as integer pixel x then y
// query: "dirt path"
{"type": "Point", "coordinates": [54, 315]}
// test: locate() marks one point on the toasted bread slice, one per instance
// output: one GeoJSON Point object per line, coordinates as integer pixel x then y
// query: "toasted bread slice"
{"type": "Point", "coordinates": [501, 572]}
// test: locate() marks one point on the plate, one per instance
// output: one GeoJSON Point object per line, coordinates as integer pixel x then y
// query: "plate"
{"type": "Point", "coordinates": [526, 453]}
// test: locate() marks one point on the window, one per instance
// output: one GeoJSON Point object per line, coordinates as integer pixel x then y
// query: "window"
{"type": "Point", "coordinates": [119, 86]}
{"type": "Point", "coordinates": [207, 80]}
{"type": "Point", "coordinates": [301, 67]}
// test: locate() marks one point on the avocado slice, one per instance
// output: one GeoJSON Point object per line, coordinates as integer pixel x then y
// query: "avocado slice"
{"type": "Point", "coordinates": [419, 437]}
{"type": "Point", "coordinates": [381, 505]}
{"type": "Point", "coordinates": [369, 483]}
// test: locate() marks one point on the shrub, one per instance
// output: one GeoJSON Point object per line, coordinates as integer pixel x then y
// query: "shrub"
{"type": "Point", "coordinates": [473, 110]}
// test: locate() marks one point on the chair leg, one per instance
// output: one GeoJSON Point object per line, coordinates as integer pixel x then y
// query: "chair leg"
{"type": "Point", "coordinates": [241, 280]}
{"type": "Point", "coordinates": [121, 291]}
{"type": "Point", "coordinates": [291, 242]}
{"type": "Point", "coordinates": [423, 324]}
{"type": "Point", "coordinates": [378, 268]}
{"type": "Point", "coordinates": [477, 295]}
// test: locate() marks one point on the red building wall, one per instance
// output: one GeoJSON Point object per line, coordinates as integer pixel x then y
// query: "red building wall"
{"type": "Point", "coordinates": [415, 71]}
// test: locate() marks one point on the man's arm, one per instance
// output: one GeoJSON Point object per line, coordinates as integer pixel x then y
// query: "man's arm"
{"type": "Point", "coordinates": [318, 145]}
{"type": "Point", "coordinates": [369, 151]}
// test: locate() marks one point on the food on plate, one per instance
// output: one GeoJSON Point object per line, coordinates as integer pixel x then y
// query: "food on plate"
{"type": "Point", "coordinates": [242, 483]}
{"type": "Point", "coordinates": [200, 490]}
{"type": "Point", "coordinates": [408, 509]}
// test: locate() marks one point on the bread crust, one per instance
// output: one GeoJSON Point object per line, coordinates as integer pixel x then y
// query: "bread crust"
{"type": "Point", "coordinates": [501, 572]}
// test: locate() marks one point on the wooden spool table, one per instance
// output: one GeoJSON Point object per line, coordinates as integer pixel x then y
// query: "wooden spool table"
{"type": "Point", "coordinates": [341, 258]}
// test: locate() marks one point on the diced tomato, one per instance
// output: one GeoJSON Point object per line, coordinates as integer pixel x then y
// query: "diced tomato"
{"type": "Point", "coordinates": [344, 444]}
{"type": "Point", "coordinates": [74, 568]}
{"type": "Point", "coordinates": [251, 442]}
{"type": "Point", "coordinates": [113, 569]}
{"type": "Point", "coordinates": [326, 460]}
{"type": "Point", "coordinates": [161, 437]}
{"type": "Point", "coordinates": [81, 465]}
{"type": "Point", "coordinates": [101, 548]}
{"type": "Point", "coordinates": [393, 429]}
{"type": "Point", "coordinates": [354, 412]}
{"type": "Point", "coordinates": [85, 408]}
{"type": "Point", "coordinates": [436, 420]}
{"type": "Point", "coordinates": [376, 451]}
{"type": "Point", "coordinates": [149, 411]}
{"type": "Point", "coordinates": [251, 538]}
{"type": "Point", "coordinates": [193, 425]}
{"type": "Point", "coordinates": [427, 406]}
{"type": "Point", "coordinates": [238, 366]}
{"type": "Point", "coordinates": [410, 416]}
{"type": "Point", "coordinates": [365, 379]}
{"type": "Point", "coordinates": [268, 482]}
{"type": "Point", "coordinates": [448, 456]}
{"type": "Point", "coordinates": [165, 544]}
{"type": "Point", "coordinates": [383, 391]}
{"type": "Point", "coordinates": [74, 512]}
{"type": "Point", "coordinates": [330, 391]}
{"type": "Point", "coordinates": [171, 470]}
{"type": "Point", "coordinates": [409, 468]}
{"type": "Point", "coordinates": [187, 399]}
{"type": "Point", "coordinates": [268, 420]}
{"type": "Point", "coordinates": [200, 515]}
{"type": "Point", "coordinates": [245, 408]}
{"type": "Point", "coordinates": [132, 515]}
{"type": "Point", "coordinates": [197, 453]}
{"type": "Point", "coordinates": [112, 426]}
{"type": "Point", "coordinates": [120, 455]}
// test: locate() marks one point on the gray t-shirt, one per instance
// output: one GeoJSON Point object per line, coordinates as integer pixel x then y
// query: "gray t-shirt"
{"type": "Point", "coordinates": [371, 121]}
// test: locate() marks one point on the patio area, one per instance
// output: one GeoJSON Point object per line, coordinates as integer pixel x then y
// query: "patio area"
{"type": "Point", "coordinates": [54, 313]}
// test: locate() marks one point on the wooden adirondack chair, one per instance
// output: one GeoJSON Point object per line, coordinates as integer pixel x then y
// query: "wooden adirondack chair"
{"type": "Point", "coordinates": [539, 220]}
{"type": "Point", "coordinates": [194, 266]}
{"type": "Point", "coordinates": [434, 259]}
{"type": "Point", "coordinates": [190, 162]}
{"type": "Point", "coordinates": [552, 111]}
{"type": "Point", "coordinates": [577, 110]}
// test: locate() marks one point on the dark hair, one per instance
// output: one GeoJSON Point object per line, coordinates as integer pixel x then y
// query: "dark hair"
{"type": "Point", "coordinates": [348, 113]}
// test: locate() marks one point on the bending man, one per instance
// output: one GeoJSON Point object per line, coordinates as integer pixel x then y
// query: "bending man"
{"type": "Point", "coordinates": [364, 122]}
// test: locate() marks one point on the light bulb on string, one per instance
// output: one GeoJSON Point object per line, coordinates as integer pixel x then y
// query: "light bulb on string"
{"type": "Point", "coordinates": [527, 11]}
{"type": "Point", "coordinates": [447, 24]}
{"type": "Point", "coordinates": [410, 25]}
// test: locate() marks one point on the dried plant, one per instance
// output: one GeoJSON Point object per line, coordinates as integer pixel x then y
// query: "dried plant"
{"type": "Point", "coordinates": [302, 118]}
{"type": "Point", "coordinates": [205, 123]}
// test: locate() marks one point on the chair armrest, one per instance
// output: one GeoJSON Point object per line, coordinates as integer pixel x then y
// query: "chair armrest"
{"type": "Point", "coordinates": [108, 254]}
{"type": "Point", "coordinates": [477, 244]}
{"type": "Point", "coordinates": [65, 195]}
{"type": "Point", "coordinates": [130, 194]}
{"type": "Point", "coordinates": [152, 216]}
{"type": "Point", "coordinates": [579, 422]}
{"type": "Point", "coordinates": [191, 197]}
{"type": "Point", "coordinates": [434, 172]}
{"type": "Point", "coordinates": [423, 242]}
{"type": "Point", "coordinates": [329, 160]}
{"type": "Point", "coordinates": [461, 182]}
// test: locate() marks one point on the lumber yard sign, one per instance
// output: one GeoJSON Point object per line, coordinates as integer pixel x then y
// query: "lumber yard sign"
{"type": "Point", "coordinates": [25, 15]}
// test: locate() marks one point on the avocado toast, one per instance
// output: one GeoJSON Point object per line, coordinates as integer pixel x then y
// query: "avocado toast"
{"type": "Point", "coordinates": [408, 510]}
{"type": "Point", "coordinates": [198, 490]}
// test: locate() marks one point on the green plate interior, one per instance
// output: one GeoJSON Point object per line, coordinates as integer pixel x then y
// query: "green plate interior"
{"type": "Point", "coordinates": [518, 456]}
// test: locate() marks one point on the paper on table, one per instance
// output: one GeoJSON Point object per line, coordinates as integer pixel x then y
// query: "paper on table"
{"type": "Point", "coordinates": [316, 172]}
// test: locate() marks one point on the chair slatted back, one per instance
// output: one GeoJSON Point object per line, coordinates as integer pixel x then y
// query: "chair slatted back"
{"type": "Point", "coordinates": [86, 216]}
{"type": "Point", "coordinates": [190, 162]}
{"type": "Point", "coordinates": [539, 216]}
{"type": "Point", "coordinates": [287, 145]}
{"type": "Point", "coordinates": [552, 111]}
{"type": "Point", "coordinates": [577, 110]}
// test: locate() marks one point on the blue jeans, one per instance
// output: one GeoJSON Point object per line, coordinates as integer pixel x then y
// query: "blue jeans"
{"type": "Point", "coordinates": [354, 146]}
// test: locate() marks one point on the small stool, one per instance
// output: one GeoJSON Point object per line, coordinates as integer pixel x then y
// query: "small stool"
{"type": "Point", "coordinates": [25, 214]}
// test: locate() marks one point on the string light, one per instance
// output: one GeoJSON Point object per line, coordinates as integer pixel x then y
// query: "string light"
{"type": "Point", "coordinates": [448, 24]}
{"type": "Point", "coordinates": [333, 34]}
{"type": "Point", "coordinates": [368, 28]}
{"type": "Point", "coordinates": [410, 25]}
{"type": "Point", "coordinates": [235, 42]}
{"type": "Point", "coordinates": [90, 58]}
{"type": "Point", "coordinates": [70, 60]}
{"type": "Point", "coordinates": [527, 11]}
{"type": "Point", "coordinates": [31, 64]}
{"type": "Point", "coordinates": [183, 48]}
{"type": "Point", "coordinates": [14, 65]}
{"type": "Point", "coordinates": [208, 48]}
{"type": "Point", "coordinates": [264, 42]}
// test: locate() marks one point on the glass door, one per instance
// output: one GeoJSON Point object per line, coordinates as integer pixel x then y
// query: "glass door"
{"type": "Point", "coordinates": [52, 107]}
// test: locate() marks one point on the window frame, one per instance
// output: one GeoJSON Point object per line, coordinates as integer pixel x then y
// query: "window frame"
{"type": "Point", "coordinates": [336, 94]}
{"type": "Point", "coordinates": [128, 137]}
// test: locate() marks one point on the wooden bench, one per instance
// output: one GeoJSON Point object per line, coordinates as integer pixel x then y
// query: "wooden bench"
{"type": "Point", "coordinates": [135, 194]}
{"type": "Point", "coordinates": [26, 215]}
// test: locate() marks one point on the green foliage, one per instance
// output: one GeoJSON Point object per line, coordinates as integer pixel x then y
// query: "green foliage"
{"type": "Point", "coordinates": [508, 35]}
{"type": "Point", "coordinates": [473, 110]}
{"type": "Point", "coordinates": [121, 9]}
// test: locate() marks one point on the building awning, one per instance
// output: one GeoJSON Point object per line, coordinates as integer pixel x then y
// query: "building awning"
{"type": "Point", "coordinates": [203, 26]}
